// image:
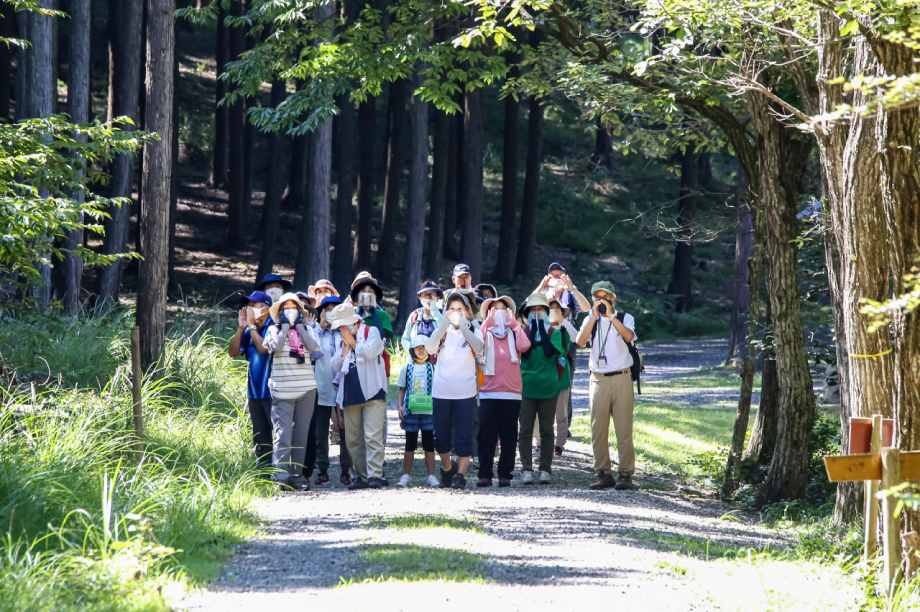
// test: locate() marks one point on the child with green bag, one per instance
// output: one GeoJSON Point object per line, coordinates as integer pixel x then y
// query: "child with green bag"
{"type": "Point", "coordinates": [415, 410]}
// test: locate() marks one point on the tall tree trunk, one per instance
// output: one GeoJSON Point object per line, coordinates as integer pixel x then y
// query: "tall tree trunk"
{"type": "Point", "coordinates": [530, 203]}
{"type": "Point", "coordinates": [603, 148]}
{"type": "Point", "coordinates": [439, 172]}
{"type": "Point", "coordinates": [36, 63]}
{"type": "Point", "coordinates": [470, 200]}
{"type": "Point", "coordinates": [741, 284]}
{"type": "Point", "coordinates": [762, 443]}
{"type": "Point", "coordinates": [415, 208]}
{"type": "Point", "coordinates": [504, 262]}
{"type": "Point", "coordinates": [154, 239]}
{"type": "Point", "coordinates": [782, 160]}
{"type": "Point", "coordinates": [386, 247]}
{"type": "Point", "coordinates": [218, 174]}
{"type": "Point", "coordinates": [78, 102]}
{"type": "Point", "coordinates": [686, 215]}
{"type": "Point", "coordinates": [7, 53]}
{"type": "Point", "coordinates": [271, 209]}
{"type": "Point", "coordinates": [236, 198]}
{"type": "Point", "coordinates": [313, 253]}
{"type": "Point", "coordinates": [342, 271]}
{"type": "Point", "coordinates": [454, 174]}
{"type": "Point", "coordinates": [172, 284]}
{"type": "Point", "coordinates": [126, 33]}
{"type": "Point", "coordinates": [367, 129]}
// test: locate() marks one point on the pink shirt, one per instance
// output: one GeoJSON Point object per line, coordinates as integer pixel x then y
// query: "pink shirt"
{"type": "Point", "coordinates": [506, 383]}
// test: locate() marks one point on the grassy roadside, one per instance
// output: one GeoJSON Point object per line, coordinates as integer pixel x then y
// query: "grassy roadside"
{"type": "Point", "coordinates": [84, 525]}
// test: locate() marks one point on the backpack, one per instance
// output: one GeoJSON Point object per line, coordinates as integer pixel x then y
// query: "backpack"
{"type": "Point", "coordinates": [638, 365]}
{"type": "Point", "coordinates": [386, 354]}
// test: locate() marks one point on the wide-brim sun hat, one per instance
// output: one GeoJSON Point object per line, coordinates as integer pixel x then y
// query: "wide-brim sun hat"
{"type": "Point", "coordinates": [306, 299]}
{"type": "Point", "coordinates": [322, 284]}
{"type": "Point", "coordinates": [537, 299]}
{"type": "Point", "coordinates": [344, 314]}
{"type": "Point", "coordinates": [458, 295]}
{"type": "Point", "coordinates": [275, 310]}
{"type": "Point", "coordinates": [362, 280]}
{"type": "Point", "coordinates": [274, 278]}
{"type": "Point", "coordinates": [479, 288]}
{"type": "Point", "coordinates": [565, 311]}
{"type": "Point", "coordinates": [507, 301]}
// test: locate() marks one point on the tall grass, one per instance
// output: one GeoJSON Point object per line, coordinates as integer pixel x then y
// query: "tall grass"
{"type": "Point", "coordinates": [85, 522]}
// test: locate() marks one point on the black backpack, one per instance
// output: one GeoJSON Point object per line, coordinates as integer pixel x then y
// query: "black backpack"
{"type": "Point", "coordinates": [638, 366]}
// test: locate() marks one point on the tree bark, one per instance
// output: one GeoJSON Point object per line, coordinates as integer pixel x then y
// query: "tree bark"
{"type": "Point", "coordinates": [741, 283]}
{"type": "Point", "coordinates": [342, 271]}
{"type": "Point", "coordinates": [396, 110]}
{"type": "Point", "coordinates": [218, 174]}
{"type": "Point", "coordinates": [172, 283]}
{"type": "Point", "coordinates": [504, 262]}
{"type": "Point", "coordinates": [683, 248]}
{"type": "Point", "coordinates": [237, 220]}
{"type": "Point", "coordinates": [603, 148]}
{"type": "Point", "coordinates": [297, 174]}
{"type": "Point", "coordinates": [470, 199]}
{"type": "Point", "coordinates": [364, 237]}
{"type": "Point", "coordinates": [415, 209]}
{"type": "Point", "coordinates": [154, 236]}
{"type": "Point", "coordinates": [530, 203]}
{"type": "Point", "coordinates": [8, 19]}
{"type": "Point", "coordinates": [271, 209]}
{"type": "Point", "coordinates": [454, 172]}
{"type": "Point", "coordinates": [78, 103]}
{"type": "Point", "coordinates": [126, 32]}
{"type": "Point", "coordinates": [439, 172]}
{"type": "Point", "coordinates": [762, 443]}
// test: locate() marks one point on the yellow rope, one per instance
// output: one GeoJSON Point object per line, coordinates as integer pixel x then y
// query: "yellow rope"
{"type": "Point", "coordinates": [876, 356]}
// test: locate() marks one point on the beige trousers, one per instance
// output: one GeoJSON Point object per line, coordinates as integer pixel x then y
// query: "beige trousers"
{"type": "Point", "coordinates": [612, 396]}
{"type": "Point", "coordinates": [364, 437]}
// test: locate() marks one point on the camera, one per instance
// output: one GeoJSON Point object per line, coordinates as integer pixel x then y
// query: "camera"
{"type": "Point", "coordinates": [602, 308]}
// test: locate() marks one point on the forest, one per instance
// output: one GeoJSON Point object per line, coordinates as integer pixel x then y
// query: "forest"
{"type": "Point", "coordinates": [744, 172]}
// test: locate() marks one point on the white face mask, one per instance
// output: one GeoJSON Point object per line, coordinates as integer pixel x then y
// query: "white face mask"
{"type": "Point", "coordinates": [256, 312]}
{"type": "Point", "coordinates": [275, 292]}
{"type": "Point", "coordinates": [500, 317]}
{"type": "Point", "coordinates": [426, 303]}
{"type": "Point", "coordinates": [329, 318]}
{"type": "Point", "coordinates": [455, 318]}
{"type": "Point", "coordinates": [554, 316]}
{"type": "Point", "coordinates": [291, 315]}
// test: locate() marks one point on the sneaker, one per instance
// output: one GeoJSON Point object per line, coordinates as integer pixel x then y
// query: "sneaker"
{"type": "Point", "coordinates": [527, 478]}
{"type": "Point", "coordinates": [558, 451]}
{"type": "Point", "coordinates": [448, 476]}
{"type": "Point", "coordinates": [345, 479]}
{"type": "Point", "coordinates": [504, 482]}
{"type": "Point", "coordinates": [403, 481]}
{"type": "Point", "coordinates": [484, 482]}
{"type": "Point", "coordinates": [374, 483]}
{"type": "Point", "coordinates": [459, 482]}
{"type": "Point", "coordinates": [384, 481]}
{"type": "Point", "coordinates": [299, 483]}
{"type": "Point", "coordinates": [357, 485]}
{"type": "Point", "coordinates": [322, 478]}
{"type": "Point", "coordinates": [433, 481]}
{"type": "Point", "coordinates": [625, 483]}
{"type": "Point", "coordinates": [604, 481]}
{"type": "Point", "coordinates": [545, 478]}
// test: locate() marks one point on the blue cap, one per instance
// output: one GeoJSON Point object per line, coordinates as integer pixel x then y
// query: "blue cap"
{"type": "Point", "coordinates": [555, 266]}
{"type": "Point", "coordinates": [258, 297]}
{"type": "Point", "coordinates": [274, 278]}
{"type": "Point", "coordinates": [461, 268]}
{"type": "Point", "coordinates": [328, 301]}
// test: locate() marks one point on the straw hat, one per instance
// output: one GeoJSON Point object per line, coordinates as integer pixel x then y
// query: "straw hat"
{"type": "Point", "coordinates": [275, 310]}
{"type": "Point", "coordinates": [365, 278]}
{"type": "Point", "coordinates": [344, 314]}
{"type": "Point", "coordinates": [507, 301]}
{"type": "Point", "coordinates": [537, 299]}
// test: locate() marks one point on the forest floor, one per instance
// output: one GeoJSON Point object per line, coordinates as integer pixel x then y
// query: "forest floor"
{"type": "Point", "coordinates": [556, 547]}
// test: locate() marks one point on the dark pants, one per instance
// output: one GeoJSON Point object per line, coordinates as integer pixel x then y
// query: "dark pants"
{"type": "Point", "coordinates": [260, 412]}
{"type": "Point", "coordinates": [498, 421]}
{"type": "Point", "coordinates": [318, 444]}
{"type": "Point", "coordinates": [453, 420]}
{"type": "Point", "coordinates": [530, 410]}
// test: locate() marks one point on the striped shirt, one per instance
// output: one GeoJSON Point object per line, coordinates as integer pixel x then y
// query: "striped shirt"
{"type": "Point", "coordinates": [289, 379]}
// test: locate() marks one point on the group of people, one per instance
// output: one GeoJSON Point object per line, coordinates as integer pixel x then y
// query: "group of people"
{"type": "Point", "coordinates": [485, 376]}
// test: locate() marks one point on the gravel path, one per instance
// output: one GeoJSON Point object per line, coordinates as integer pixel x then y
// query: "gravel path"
{"type": "Point", "coordinates": [542, 547]}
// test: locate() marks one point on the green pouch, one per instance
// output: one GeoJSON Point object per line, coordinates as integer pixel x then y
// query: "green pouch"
{"type": "Point", "coordinates": [420, 403]}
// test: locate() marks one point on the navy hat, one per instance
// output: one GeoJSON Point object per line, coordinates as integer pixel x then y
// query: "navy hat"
{"type": "Point", "coordinates": [257, 296]}
{"type": "Point", "coordinates": [331, 300]}
{"type": "Point", "coordinates": [461, 269]}
{"type": "Point", "coordinates": [555, 266]}
{"type": "Point", "coordinates": [478, 289]}
{"type": "Point", "coordinates": [430, 287]}
{"type": "Point", "coordinates": [457, 295]}
{"type": "Point", "coordinates": [275, 278]}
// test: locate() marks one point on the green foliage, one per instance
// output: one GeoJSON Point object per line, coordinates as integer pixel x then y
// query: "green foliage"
{"type": "Point", "coordinates": [43, 163]}
{"type": "Point", "coordinates": [415, 563]}
{"type": "Point", "coordinates": [425, 521]}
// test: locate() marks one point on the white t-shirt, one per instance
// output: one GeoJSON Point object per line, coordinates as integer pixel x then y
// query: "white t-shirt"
{"type": "Point", "coordinates": [455, 374]}
{"type": "Point", "coordinates": [606, 337]}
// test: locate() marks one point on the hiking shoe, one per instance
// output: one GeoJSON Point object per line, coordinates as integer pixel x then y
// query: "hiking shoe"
{"type": "Point", "coordinates": [357, 485]}
{"type": "Point", "coordinates": [545, 478]}
{"type": "Point", "coordinates": [345, 479]}
{"type": "Point", "coordinates": [403, 481]}
{"type": "Point", "coordinates": [484, 482]}
{"type": "Point", "coordinates": [625, 483]}
{"type": "Point", "coordinates": [504, 482]}
{"type": "Point", "coordinates": [433, 481]}
{"type": "Point", "coordinates": [384, 481]}
{"type": "Point", "coordinates": [527, 478]}
{"type": "Point", "coordinates": [447, 477]}
{"type": "Point", "coordinates": [322, 478]}
{"type": "Point", "coordinates": [458, 482]}
{"type": "Point", "coordinates": [604, 481]}
{"type": "Point", "coordinates": [558, 451]}
{"type": "Point", "coordinates": [374, 483]}
{"type": "Point", "coordinates": [298, 483]}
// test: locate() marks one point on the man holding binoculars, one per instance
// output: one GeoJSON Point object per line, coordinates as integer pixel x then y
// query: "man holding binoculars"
{"type": "Point", "coordinates": [610, 391]}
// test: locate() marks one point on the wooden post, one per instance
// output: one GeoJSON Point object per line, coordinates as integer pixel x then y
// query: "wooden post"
{"type": "Point", "coordinates": [871, 513]}
{"type": "Point", "coordinates": [891, 477]}
{"type": "Point", "coordinates": [137, 378]}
